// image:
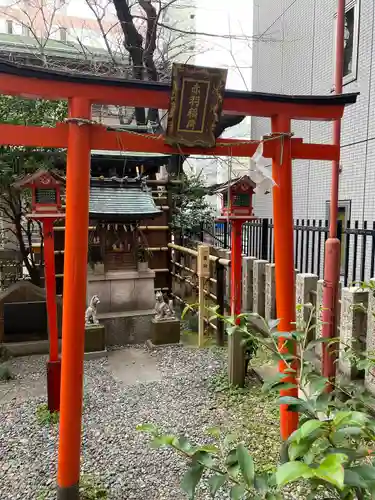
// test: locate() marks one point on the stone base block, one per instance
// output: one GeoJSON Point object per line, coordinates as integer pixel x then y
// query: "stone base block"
{"type": "Point", "coordinates": [130, 327]}
{"type": "Point", "coordinates": [166, 332]}
{"type": "Point", "coordinates": [94, 338]}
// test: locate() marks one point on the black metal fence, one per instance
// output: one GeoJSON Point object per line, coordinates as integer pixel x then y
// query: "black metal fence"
{"type": "Point", "coordinates": [310, 235]}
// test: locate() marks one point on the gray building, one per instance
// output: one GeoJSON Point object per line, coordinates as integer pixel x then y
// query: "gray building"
{"type": "Point", "coordinates": [294, 54]}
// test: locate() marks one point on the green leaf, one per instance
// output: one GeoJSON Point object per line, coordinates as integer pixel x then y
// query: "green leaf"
{"type": "Point", "coordinates": [216, 482]}
{"type": "Point", "coordinates": [270, 381]}
{"type": "Point", "coordinates": [237, 492]}
{"type": "Point", "coordinates": [292, 471]}
{"type": "Point", "coordinates": [203, 458]}
{"type": "Point", "coordinates": [273, 323]}
{"type": "Point", "coordinates": [231, 458]}
{"type": "Point", "coordinates": [331, 470]}
{"type": "Point", "coordinates": [297, 404]}
{"type": "Point", "coordinates": [214, 432]}
{"type": "Point", "coordinates": [352, 478]}
{"type": "Point", "coordinates": [273, 496]}
{"type": "Point", "coordinates": [261, 483]}
{"type": "Point", "coordinates": [191, 480]}
{"type": "Point", "coordinates": [146, 428]}
{"type": "Point", "coordinates": [183, 444]}
{"type": "Point", "coordinates": [282, 386]}
{"type": "Point", "coordinates": [186, 310]}
{"type": "Point", "coordinates": [346, 432]}
{"type": "Point", "coordinates": [322, 340]}
{"type": "Point", "coordinates": [297, 450]}
{"type": "Point", "coordinates": [209, 448]}
{"type": "Point", "coordinates": [160, 441]}
{"type": "Point", "coordinates": [246, 464]}
{"type": "Point", "coordinates": [367, 472]}
{"type": "Point", "coordinates": [349, 418]}
{"type": "Point", "coordinates": [322, 401]}
{"type": "Point", "coordinates": [232, 464]}
{"type": "Point", "coordinates": [317, 384]}
{"type": "Point", "coordinates": [306, 429]}
{"type": "Point", "coordinates": [232, 329]}
{"type": "Point", "coordinates": [283, 335]}
{"type": "Point", "coordinates": [229, 439]}
{"type": "Point", "coordinates": [233, 470]}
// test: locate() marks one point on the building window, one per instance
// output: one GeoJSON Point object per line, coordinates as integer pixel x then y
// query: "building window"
{"type": "Point", "coordinates": [10, 27]}
{"type": "Point", "coordinates": [25, 30]}
{"type": "Point", "coordinates": [343, 216]}
{"type": "Point", "coordinates": [63, 34]}
{"type": "Point", "coordinates": [351, 39]}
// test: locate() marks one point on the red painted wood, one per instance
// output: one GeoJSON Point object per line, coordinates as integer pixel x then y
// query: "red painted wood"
{"type": "Point", "coordinates": [101, 139]}
{"type": "Point", "coordinates": [103, 94]}
{"type": "Point", "coordinates": [284, 261]}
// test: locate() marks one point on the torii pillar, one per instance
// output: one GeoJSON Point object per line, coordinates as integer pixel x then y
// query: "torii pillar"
{"type": "Point", "coordinates": [75, 278]}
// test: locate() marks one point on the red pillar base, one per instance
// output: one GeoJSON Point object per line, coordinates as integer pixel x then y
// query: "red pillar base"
{"type": "Point", "coordinates": [53, 385]}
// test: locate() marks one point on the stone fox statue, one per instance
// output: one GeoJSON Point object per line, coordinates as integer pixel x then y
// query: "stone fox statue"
{"type": "Point", "coordinates": [163, 310]}
{"type": "Point", "coordinates": [90, 316]}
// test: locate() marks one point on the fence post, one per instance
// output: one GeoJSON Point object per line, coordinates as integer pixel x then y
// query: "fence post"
{"type": "Point", "coordinates": [339, 230]}
{"type": "Point", "coordinates": [220, 294]}
{"type": "Point", "coordinates": [270, 293]}
{"type": "Point", "coordinates": [264, 244]}
{"type": "Point", "coordinates": [353, 325]}
{"type": "Point", "coordinates": [259, 286]}
{"type": "Point", "coordinates": [225, 235]}
{"type": "Point", "coordinates": [305, 284]}
{"type": "Point", "coordinates": [247, 283]}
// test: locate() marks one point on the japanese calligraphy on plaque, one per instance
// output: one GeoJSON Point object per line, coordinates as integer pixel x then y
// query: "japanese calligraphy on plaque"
{"type": "Point", "coordinates": [195, 106]}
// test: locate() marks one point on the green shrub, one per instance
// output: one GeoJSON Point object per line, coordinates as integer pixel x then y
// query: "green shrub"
{"type": "Point", "coordinates": [332, 449]}
{"type": "Point", "coordinates": [45, 417]}
{"type": "Point", "coordinates": [90, 489]}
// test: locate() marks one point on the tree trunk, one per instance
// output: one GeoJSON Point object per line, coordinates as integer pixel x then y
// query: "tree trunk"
{"type": "Point", "coordinates": [133, 44]}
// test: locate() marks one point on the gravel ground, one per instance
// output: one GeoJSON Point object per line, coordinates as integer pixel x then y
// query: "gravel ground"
{"type": "Point", "coordinates": [112, 449]}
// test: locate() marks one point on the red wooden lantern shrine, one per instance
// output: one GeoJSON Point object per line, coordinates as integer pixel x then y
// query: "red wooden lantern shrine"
{"type": "Point", "coordinates": [46, 207]}
{"type": "Point", "coordinates": [237, 199]}
{"type": "Point", "coordinates": [237, 207]}
{"type": "Point", "coordinates": [46, 193]}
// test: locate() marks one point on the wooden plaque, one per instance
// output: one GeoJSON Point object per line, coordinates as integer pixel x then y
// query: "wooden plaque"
{"type": "Point", "coordinates": [195, 105]}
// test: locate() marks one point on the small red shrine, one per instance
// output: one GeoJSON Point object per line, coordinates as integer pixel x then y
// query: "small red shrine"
{"type": "Point", "coordinates": [237, 199]}
{"type": "Point", "coordinates": [46, 207]}
{"type": "Point", "coordinates": [45, 187]}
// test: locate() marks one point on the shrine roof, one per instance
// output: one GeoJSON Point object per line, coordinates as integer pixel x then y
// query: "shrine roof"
{"type": "Point", "coordinates": [52, 84]}
{"type": "Point", "coordinates": [222, 187]}
{"type": "Point", "coordinates": [27, 179]}
{"type": "Point", "coordinates": [121, 199]}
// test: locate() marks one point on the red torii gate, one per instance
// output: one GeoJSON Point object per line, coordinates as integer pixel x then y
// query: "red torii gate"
{"type": "Point", "coordinates": [79, 135]}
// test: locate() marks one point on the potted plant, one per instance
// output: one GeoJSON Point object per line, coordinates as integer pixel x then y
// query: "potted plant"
{"type": "Point", "coordinates": [143, 255]}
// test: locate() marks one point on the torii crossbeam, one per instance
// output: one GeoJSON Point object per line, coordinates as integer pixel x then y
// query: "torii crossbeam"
{"type": "Point", "coordinates": [80, 135]}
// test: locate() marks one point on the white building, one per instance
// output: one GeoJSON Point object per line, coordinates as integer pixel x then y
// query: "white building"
{"type": "Point", "coordinates": [294, 54]}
